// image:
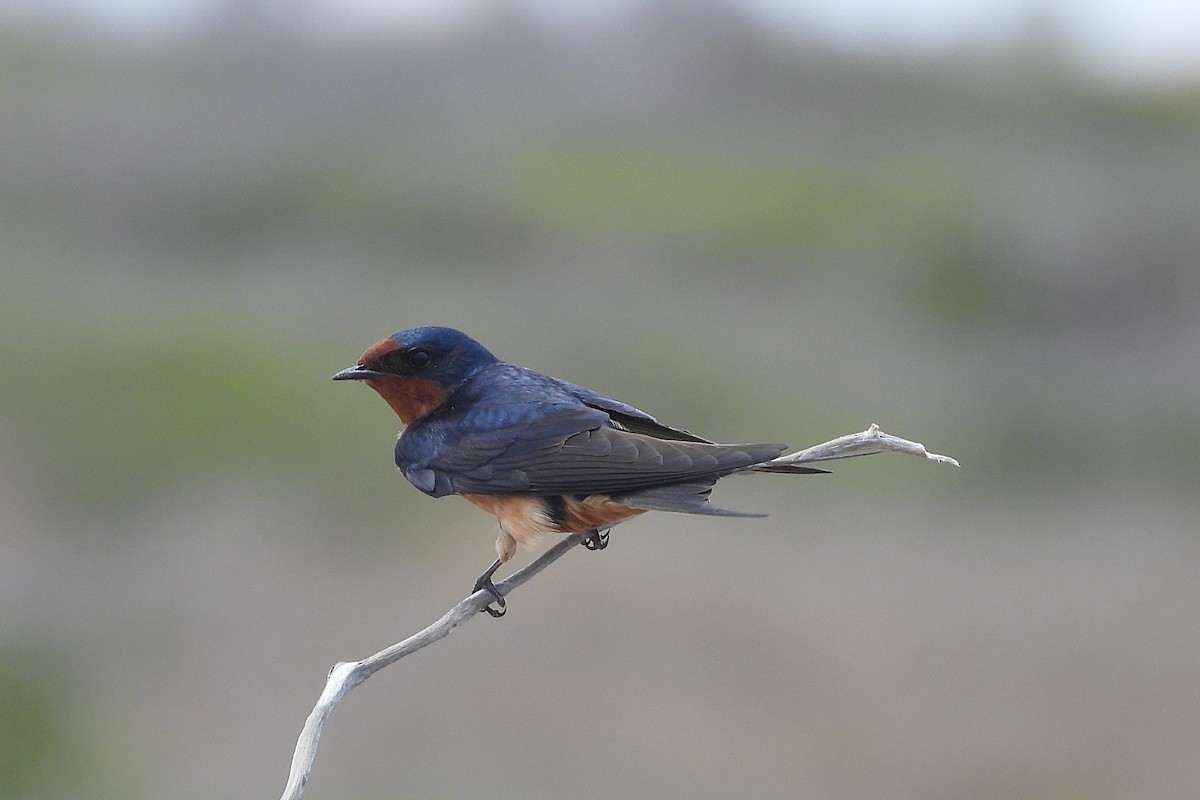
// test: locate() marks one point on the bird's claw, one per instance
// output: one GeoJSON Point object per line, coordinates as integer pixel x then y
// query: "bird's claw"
{"type": "Point", "coordinates": [596, 540]}
{"type": "Point", "coordinates": [485, 582]}
{"type": "Point", "coordinates": [496, 613]}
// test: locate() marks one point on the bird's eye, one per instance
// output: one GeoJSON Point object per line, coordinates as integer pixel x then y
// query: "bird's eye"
{"type": "Point", "coordinates": [419, 358]}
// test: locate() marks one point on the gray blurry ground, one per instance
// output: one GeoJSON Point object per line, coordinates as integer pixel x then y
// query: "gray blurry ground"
{"type": "Point", "coordinates": [752, 239]}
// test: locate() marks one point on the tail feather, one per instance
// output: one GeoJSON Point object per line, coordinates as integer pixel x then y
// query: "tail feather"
{"type": "Point", "coordinates": [790, 469]}
{"type": "Point", "coordinates": [691, 497]}
{"type": "Point", "coordinates": [682, 498]}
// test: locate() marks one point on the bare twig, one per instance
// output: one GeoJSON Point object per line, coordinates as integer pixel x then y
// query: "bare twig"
{"type": "Point", "coordinates": [346, 675]}
{"type": "Point", "coordinates": [867, 443]}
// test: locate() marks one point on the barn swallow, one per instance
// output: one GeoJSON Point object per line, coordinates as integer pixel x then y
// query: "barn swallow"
{"type": "Point", "coordinates": [543, 455]}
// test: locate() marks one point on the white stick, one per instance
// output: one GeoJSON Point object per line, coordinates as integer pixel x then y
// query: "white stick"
{"type": "Point", "coordinates": [867, 443]}
{"type": "Point", "coordinates": [346, 675]}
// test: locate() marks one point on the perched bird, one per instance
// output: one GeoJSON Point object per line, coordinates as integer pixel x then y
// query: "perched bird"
{"type": "Point", "coordinates": [543, 455]}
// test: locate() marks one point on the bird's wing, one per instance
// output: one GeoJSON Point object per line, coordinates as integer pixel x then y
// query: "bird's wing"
{"type": "Point", "coordinates": [567, 450]}
{"type": "Point", "coordinates": [626, 417]}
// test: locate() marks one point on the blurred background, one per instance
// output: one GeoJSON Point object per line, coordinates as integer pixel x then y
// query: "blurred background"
{"type": "Point", "coordinates": [973, 223]}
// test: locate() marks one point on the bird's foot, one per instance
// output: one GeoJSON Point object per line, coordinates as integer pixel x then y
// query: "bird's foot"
{"type": "Point", "coordinates": [485, 582]}
{"type": "Point", "coordinates": [596, 540]}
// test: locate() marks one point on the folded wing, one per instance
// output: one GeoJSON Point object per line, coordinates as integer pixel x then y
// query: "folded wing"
{"type": "Point", "coordinates": [574, 451]}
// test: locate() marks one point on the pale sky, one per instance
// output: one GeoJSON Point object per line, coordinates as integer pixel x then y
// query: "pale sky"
{"type": "Point", "coordinates": [1137, 40]}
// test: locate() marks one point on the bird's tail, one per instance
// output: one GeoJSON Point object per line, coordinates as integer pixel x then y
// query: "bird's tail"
{"type": "Point", "coordinates": [790, 469]}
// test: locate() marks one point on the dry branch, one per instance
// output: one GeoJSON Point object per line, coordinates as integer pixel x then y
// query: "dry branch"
{"type": "Point", "coordinates": [346, 675]}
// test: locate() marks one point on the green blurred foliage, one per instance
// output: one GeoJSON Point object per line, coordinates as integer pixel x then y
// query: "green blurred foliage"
{"type": "Point", "coordinates": [718, 204]}
{"type": "Point", "coordinates": [127, 407]}
{"type": "Point", "coordinates": [42, 751]}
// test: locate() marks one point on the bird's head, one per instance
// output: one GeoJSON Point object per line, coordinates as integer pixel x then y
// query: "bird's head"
{"type": "Point", "coordinates": [416, 370]}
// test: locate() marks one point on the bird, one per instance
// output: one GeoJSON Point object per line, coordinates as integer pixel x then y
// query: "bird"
{"type": "Point", "coordinates": [541, 454]}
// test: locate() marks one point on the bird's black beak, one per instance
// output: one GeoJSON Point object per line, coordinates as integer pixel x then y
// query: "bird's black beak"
{"type": "Point", "coordinates": [356, 373]}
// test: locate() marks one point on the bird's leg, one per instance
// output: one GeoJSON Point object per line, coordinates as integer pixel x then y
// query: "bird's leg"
{"type": "Point", "coordinates": [485, 582]}
{"type": "Point", "coordinates": [596, 539]}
